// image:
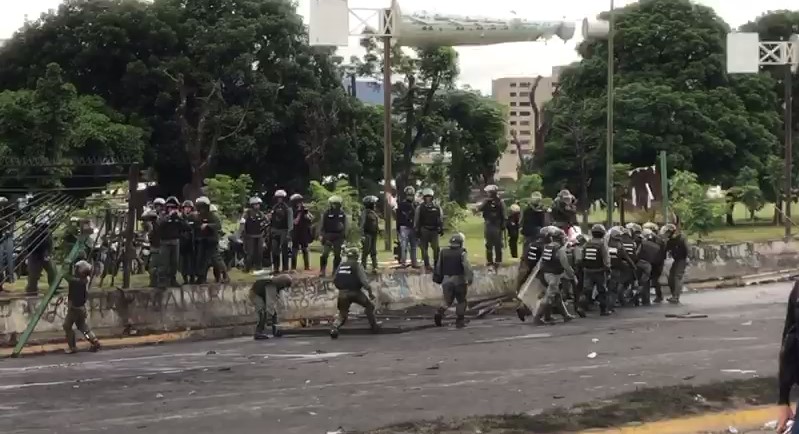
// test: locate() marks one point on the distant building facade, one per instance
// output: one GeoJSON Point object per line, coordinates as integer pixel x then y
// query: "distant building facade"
{"type": "Point", "coordinates": [368, 90]}
{"type": "Point", "coordinates": [514, 93]}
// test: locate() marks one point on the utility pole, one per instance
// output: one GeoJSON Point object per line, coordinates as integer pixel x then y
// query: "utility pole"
{"type": "Point", "coordinates": [664, 187]}
{"type": "Point", "coordinates": [387, 139]}
{"type": "Point", "coordinates": [788, 148]}
{"type": "Point", "coordinates": [611, 92]}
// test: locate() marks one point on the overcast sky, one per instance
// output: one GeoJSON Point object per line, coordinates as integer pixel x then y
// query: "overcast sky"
{"type": "Point", "coordinates": [479, 64]}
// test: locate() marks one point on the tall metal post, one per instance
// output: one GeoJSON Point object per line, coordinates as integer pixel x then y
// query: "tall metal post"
{"type": "Point", "coordinates": [609, 144]}
{"type": "Point", "coordinates": [664, 187]}
{"type": "Point", "coordinates": [130, 229]}
{"type": "Point", "coordinates": [788, 148]}
{"type": "Point", "coordinates": [387, 140]}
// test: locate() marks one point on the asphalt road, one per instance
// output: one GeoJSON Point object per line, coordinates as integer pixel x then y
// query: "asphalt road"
{"type": "Point", "coordinates": [309, 385]}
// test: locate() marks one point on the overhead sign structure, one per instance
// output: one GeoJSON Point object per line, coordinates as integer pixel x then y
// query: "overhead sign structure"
{"type": "Point", "coordinates": [746, 54]}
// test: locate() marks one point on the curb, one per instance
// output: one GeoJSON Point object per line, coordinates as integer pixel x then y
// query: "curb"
{"type": "Point", "coordinates": [205, 334]}
{"type": "Point", "coordinates": [751, 418]}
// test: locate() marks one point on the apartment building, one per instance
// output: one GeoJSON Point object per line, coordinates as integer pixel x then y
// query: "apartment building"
{"type": "Point", "coordinates": [514, 93]}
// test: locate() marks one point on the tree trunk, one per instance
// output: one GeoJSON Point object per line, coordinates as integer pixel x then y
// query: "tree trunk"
{"type": "Point", "coordinates": [751, 215]}
{"type": "Point", "coordinates": [730, 220]}
{"type": "Point", "coordinates": [621, 210]}
{"type": "Point", "coordinates": [777, 219]}
{"type": "Point", "coordinates": [410, 123]}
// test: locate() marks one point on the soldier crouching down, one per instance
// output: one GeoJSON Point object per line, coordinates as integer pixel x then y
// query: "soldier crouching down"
{"type": "Point", "coordinates": [76, 308]}
{"type": "Point", "coordinates": [454, 273]}
{"type": "Point", "coordinates": [350, 280]}
{"type": "Point", "coordinates": [264, 294]}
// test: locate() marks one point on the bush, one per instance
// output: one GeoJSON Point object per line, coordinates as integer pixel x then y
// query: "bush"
{"type": "Point", "coordinates": [229, 194]}
{"type": "Point", "coordinates": [525, 187]}
{"type": "Point", "coordinates": [454, 215]}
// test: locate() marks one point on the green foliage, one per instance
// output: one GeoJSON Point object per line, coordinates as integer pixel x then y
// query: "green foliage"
{"type": "Point", "coordinates": [54, 123]}
{"type": "Point", "coordinates": [524, 188]}
{"type": "Point", "coordinates": [747, 191]}
{"type": "Point", "coordinates": [349, 201]}
{"type": "Point", "coordinates": [454, 215]}
{"type": "Point", "coordinates": [697, 214]}
{"type": "Point", "coordinates": [228, 193]}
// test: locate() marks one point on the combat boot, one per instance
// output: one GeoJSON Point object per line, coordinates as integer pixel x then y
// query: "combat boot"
{"type": "Point", "coordinates": [95, 346]}
{"type": "Point", "coordinates": [276, 332]}
{"type": "Point", "coordinates": [438, 318]}
{"type": "Point", "coordinates": [460, 322]}
{"type": "Point", "coordinates": [260, 336]}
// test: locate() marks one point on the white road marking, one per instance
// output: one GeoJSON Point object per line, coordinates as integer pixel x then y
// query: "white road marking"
{"type": "Point", "coordinates": [514, 338]}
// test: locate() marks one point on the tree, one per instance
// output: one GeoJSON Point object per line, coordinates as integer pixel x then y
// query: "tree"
{"type": "Point", "coordinates": [54, 123]}
{"type": "Point", "coordinates": [672, 94]}
{"type": "Point", "coordinates": [475, 135]}
{"type": "Point", "coordinates": [542, 119]}
{"type": "Point", "coordinates": [525, 187]}
{"type": "Point", "coordinates": [695, 212]}
{"type": "Point", "coordinates": [425, 72]}
{"type": "Point", "coordinates": [210, 80]}
{"type": "Point", "coordinates": [229, 194]}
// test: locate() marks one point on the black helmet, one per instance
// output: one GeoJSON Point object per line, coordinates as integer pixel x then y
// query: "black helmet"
{"type": "Point", "coordinates": [173, 201]}
{"type": "Point", "coordinates": [598, 230]}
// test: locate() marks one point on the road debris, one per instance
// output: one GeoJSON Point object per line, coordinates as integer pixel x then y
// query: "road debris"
{"type": "Point", "coordinates": [159, 395]}
{"type": "Point", "coordinates": [686, 315]}
{"type": "Point", "coordinates": [595, 340]}
{"type": "Point", "coordinates": [591, 355]}
{"type": "Point", "coordinates": [739, 371]}
{"type": "Point", "coordinates": [732, 430]}
{"type": "Point", "coordinates": [748, 323]}
{"type": "Point", "coordinates": [210, 353]}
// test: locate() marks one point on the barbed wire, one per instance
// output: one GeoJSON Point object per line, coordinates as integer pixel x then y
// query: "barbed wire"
{"type": "Point", "coordinates": [37, 162]}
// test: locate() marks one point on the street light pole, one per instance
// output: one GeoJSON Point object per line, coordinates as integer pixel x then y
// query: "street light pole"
{"type": "Point", "coordinates": [610, 91]}
{"type": "Point", "coordinates": [788, 148]}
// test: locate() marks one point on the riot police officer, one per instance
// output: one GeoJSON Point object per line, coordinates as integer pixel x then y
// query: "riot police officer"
{"type": "Point", "coordinates": [170, 228]}
{"type": "Point", "coordinates": [265, 295]}
{"type": "Point", "coordinates": [629, 289]}
{"type": "Point", "coordinates": [302, 234]}
{"type": "Point", "coordinates": [282, 223]}
{"type": "Point", "coordinates": [621, 266]}
{"type": "Point", "coordinates": [350, 280]}
{"type": "Point", "coordinates": [333, 234]}
{"type": "Point", "coordinates": [555, 267]}
{"type": "Point", "coordinates": [677, 247]}
{"type": "Point", "coordinates": [527, 267]}
{"type": "Point", "coordinates": [594, 260]}
{"type": "Point", "coordinates": [454, 273]}
{"type": "Point", "coordinates": [252, 233]}
{"type": "Point", "coordinates": [150, 223]}
{"type": "Point", "coordinates": [494, 217]}
{"type": "Point", "coordinates": [208, 230]}
{"type": "Point", "coordinates": [370, 225]}
{"type": "Point", "coordinates": [533, 219]}
{"type": "Point", "coordinates": [512, 226]}
{"type": "Point", "coordinates": [40, 254]}
{"type": "Point", "coordinates": [648, 254]}
{"type": "Point", "coordinates": [406, 232]}
{"type": "Point", "coordinates": [657, 267]}
{"type": "Point", "coordinates": [429, 224]}
{"type": "Point", "coordinates": [187, 248]}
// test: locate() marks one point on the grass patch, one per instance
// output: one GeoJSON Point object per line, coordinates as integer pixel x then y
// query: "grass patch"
{"type": "Point", "coordinates": [643, 405]}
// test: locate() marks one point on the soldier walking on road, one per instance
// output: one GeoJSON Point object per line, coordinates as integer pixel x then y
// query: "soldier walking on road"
{"type": "Point", "coordinates": [429, 224]}
{"type": "Point", "coordinates": [534, 219]}
{"type": "Point", "coordinates": [252, 225]}
{"type": "Point", "coordinates": [594, 260]}
{"type": "Point", "coordinates": [648, 254]}
{"type": "Point", "coordinates": [494, 216]}
{"type": "Point", "coordinates": [76, 315]}
{"type": "Point", "coordinates": [302, 234]}
{"type": "Point", "coordinates": [265, 295]}
{"type": "Point", "coordinates": [282, 224]}
{"type": "Point", "coordinates": [555, 267]}
{"type": "Point", "coordinates": [350, 280]}
{"type": "Point", "coordinates": [657, 266]}
{"type": "Point", "coordinates": [170, 228]}
{"type": "Point", "coordinates": [187, 243]}
{"type": "Point", "coordinates": [622, 266]}
{"type": "Point", "coordinates": [334, 233]}
{"type": "Point", "coordinates": [150, 219]}
{"type": "Point", "coordinates": [370, 225]}
{"type": "Point", "coordinates": [512, 226]}
{"type": "Point", "coordinates": [454, 274]}
{"type": "Point", "coordinates": [677, 247]}
{"type": "Point", "coordinates": [406, 232]}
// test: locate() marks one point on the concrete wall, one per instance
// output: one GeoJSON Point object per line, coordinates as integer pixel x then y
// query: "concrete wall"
{"type": "Point", "coordinates": [203, 306]}
{"type": "Point", "coordinates": [193, 307]}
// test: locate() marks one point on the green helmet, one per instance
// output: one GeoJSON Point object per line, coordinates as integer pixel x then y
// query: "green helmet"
{"type": "Point", "coordinates": [352, 252]}
{"type": "Point", "coordinates": [616, 231]}
{"type": "Point", "coordinates": [428, 192]}
{"type": "Point", "coordinates": [457, 239]}
{"type": "Point", "coordinates": [634, 228]}
{"type": "Point", "coordinates": [536, 198]}
{"type": "Point", "coordinates": [409, 191]}
{"type": "Point", "coordinates": [334, 200]}
{"type": "Point", "coordinates": [668, 230]}
{"type": "Point", "coordinates": [651, 226]}
{"type": "Point", "coordinates": [370, 199]}
{"type": "Point", "coordinates": [598, 230]}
